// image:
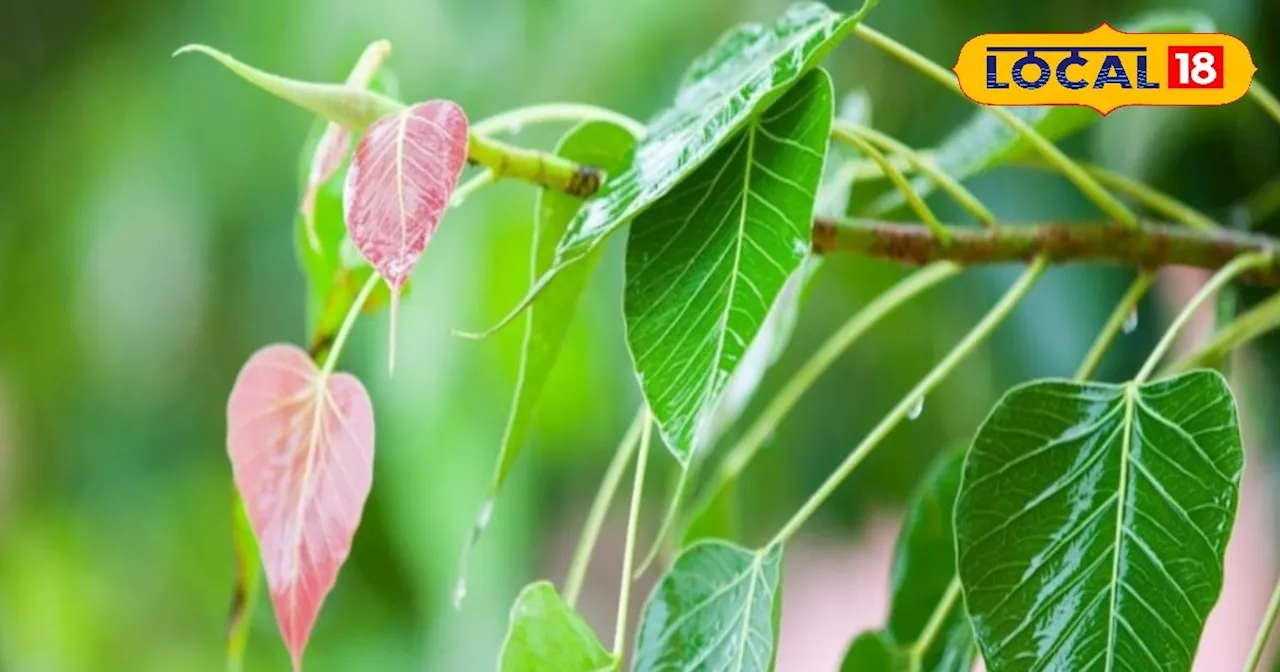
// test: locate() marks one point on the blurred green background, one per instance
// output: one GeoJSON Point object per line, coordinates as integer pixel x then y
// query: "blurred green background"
{"type": "Point", "coordinates": [146, 209]}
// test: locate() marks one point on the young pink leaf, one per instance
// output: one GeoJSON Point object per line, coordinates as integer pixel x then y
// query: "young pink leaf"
{"type": "Point", "coordinates": [301, 448]}
{"type": "Point", "coordinates": [336, 140]}
{"type": "Point", "coordinates": [402, 175]}
{"type": "Point", "coordinates": [330, 151]}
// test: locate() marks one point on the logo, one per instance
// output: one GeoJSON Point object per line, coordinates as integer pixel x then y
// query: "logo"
{"type": "Point", "coordinates": [1104, 69]}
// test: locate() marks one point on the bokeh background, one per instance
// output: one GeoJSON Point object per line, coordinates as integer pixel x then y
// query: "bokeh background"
{"type": "Point", "coordinates": [146, 206]}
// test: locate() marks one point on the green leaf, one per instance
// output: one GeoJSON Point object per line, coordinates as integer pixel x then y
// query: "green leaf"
{"type": "Point", "coordinates": [601, 144]}
{"type": "Point", "coordinates": [1093, 519]}
{"type": "Point", "coordinates": [749, 68]}
{"type": "Point", "coordinates": [715, 609]}
{"type": "Point", "coordinates": [874, 652]}
{"type": "Point", "coordinates": [984, 142]}
{"type": "Point", "coordinates": [706, 263]}
{"type": "Point", "coordinates": [547, 635]}
{"type": "Point", "coordinates": [924, 565]}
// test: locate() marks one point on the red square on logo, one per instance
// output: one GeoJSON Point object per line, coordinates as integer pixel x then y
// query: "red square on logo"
{"type": "Point", "coordinates": [1195, 67]}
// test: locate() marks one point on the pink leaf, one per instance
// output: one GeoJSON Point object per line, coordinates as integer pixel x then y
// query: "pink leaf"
{"type": "Point", "coordinates": [330, 151]}
{"type": "Point", "coordinates": [401, 178]}
{"type": "Point", "coordinates": [301, 448]}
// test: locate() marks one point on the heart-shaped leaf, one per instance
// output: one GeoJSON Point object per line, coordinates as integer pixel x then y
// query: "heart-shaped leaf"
{"type": "Point", "coordinates": [715, 609]}
{"type": "Point", "coordinates": [401, 179]}
{"type": "Point", "coordinates": [301, 449]}
{"type": "Point", "coordinates": [707, 262]}
{"type": "Point", "coordinates": [745, 71]}
{"type": "Point", "coordinates": [547, 635]}
{"type": "Point", "coordinates": [1093, 519]}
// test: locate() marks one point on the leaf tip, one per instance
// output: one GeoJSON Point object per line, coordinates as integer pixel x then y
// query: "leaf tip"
{"type": "Point", "coordinates": [196, 49]}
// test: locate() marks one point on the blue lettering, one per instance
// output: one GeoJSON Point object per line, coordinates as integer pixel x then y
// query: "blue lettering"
{"type": "Point", "coordinates": [1105, 76]}
{"type": "Point", "coordinates": [992, 81]}
{"type": "Point", "coordinates": [1074, 59]}
{"type": "Point", "coordinates": [1030, 59]}
{"type": "Point", "coordinates": [1142, 75]}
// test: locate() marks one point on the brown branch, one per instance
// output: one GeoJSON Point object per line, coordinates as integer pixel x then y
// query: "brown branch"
{"type": "Point", "coordinates": [1148, 246]}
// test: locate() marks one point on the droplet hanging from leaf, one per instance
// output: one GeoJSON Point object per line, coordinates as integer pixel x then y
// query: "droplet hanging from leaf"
{"type": "Point", "coordinates": [301, 449]}
{"type": "Point", "coordinates": [401, 178]}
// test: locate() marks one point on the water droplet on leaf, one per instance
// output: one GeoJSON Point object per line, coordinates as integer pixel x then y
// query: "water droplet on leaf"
{"type": "Point", "coordinates": [1130, 322]}
{"type": "Point", "coordinates": [917, 409]}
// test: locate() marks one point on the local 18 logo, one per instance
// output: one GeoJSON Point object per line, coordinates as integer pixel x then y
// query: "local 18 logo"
{"type": "Point", "coordinates": [1104, 69]}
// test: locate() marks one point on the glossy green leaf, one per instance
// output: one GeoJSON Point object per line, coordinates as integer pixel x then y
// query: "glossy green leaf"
{"type": "Point", "coordinates": [547, 635]}
{"type": "Point", "coordinates": [706, 263]}
{"type": "Point", "coordinates": [715, 609]}
{"type": "Point", "coordinates": [745, 71]}
{"type": "Point", "coordinates": [874, 652]}
{"type": "Point", "coordinates": [597, 143]}
{"type": "Point", "coordinates": [601, 144]}
{"type": "Point", "coordinates": [924, 565]}
{"type": "Point", "coordinates": [984, 142]}
{"type": "Point", "coordinates": [1093, 519]}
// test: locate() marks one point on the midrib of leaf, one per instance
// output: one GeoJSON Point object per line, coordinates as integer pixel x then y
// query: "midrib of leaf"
{"type": "Point", "coordinates": [404, 215]}
{"type": "Point", "coordinates": [321, 384]}
{"type": "Point", "coordinates": [717, 359]}
{"type": "Point", "coordinates": [1130, 391]}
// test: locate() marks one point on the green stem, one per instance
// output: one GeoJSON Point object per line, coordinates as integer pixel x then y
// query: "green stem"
{"type": "Point", "coordinates": [1113, 208]}
{"type": "Point", "coordinates": [1264, 631]}
{"type": "Point", "coordinates": [246, 559]}
{"type": "Point", "coordinates": [922, 164]}
{"type": "Point", "coordinates": [534, 166]}
{"type": "Point", "coordinates": [1154, 199]}
{"type": "Point", "coordinates": [1264, 202]}
{"type": "Point", "coordinates": [600, 507]}
{"type": "Point", "coordinates": [1219, 279]}
{"type": "Point", "coordinates": [668, 521]}
{"type": "Point", "coordinates": [512, 121]}
{"type": "Point", "coordinates": [934, 626]}
{"type": "Point", "coordinates": [628, 552]}
{"type": "Point", "coordinates": [464, 191]}
{"type": "Point", "coordinates": [1114, 324]}
{"type": "Point", "coordinates": [862, 321]}
{"type": "Point", "coordinates": [913, 199]}
{"type": "Point", "coordinates": [1265, 99]}
{"type": "Point", "coordinates": [976, 336]}
{"type": "Point", "coordinates": [1148, 247]}
{"type": "Point", "coordinates": [1259, 320]}
{"type": "Point", "coordinates": [348, 322]}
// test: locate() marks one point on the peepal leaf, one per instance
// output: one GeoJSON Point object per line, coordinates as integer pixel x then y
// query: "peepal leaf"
{"type": "Point", "coordinates": [547, 635]}
{"type": "Point", "coordinates": [924, 565]}
{"type": "Point", "coordinates": [745, 71]}
{"type": "Point", "coordinates": [1093, 519]}
{"type": "Point", "coordinates": [401, 178]}
{"type": "Point", "coordinates": [984, 142]}
{"type": "Point", "coordinates": [706, 263]}
{"type": "Point", "coordinates": [334, 143]}
{"type": "Point", "coordinates": [335, 270]}
{"type": "Point", "coordinates": [301, 449]}
{"type": "Point", "coordinates": [596, 143]}
{"type": "Point", "coordinates": [715, 609]}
